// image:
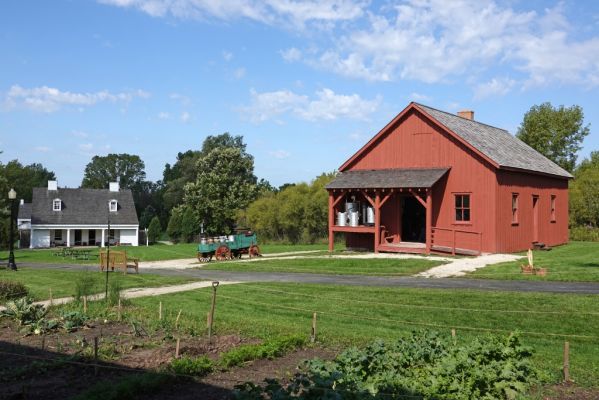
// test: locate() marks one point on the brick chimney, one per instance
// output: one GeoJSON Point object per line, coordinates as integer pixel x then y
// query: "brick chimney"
{"type": "Point", "coordinates": [52, 185]}
{"type": "Point", "coordinates": [468, 114]}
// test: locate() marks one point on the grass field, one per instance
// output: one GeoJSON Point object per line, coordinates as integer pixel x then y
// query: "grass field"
{"type": "Point", "coordinates": [334, 266]}
{"type": "Point", "coordinates": [576, 261]}
{"type": "Point", "coordinates": [155, 252]}
{"type": "Point", "coordinates": [39, 282]}
{"type": "Point", "coordinates": [356, 315]}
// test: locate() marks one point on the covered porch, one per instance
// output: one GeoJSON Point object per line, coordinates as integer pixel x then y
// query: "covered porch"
{"type": "Point", "coordinates": [74, 236]}
{"type": "Point", "coordinates": [385, 210]}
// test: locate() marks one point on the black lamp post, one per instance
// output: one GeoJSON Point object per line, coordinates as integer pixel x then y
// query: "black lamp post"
{"type": "Point", "coordinates": [12, 195]}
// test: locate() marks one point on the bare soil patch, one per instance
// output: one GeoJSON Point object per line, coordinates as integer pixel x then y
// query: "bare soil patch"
{"type": "Point", "coordinates": [570, 392]}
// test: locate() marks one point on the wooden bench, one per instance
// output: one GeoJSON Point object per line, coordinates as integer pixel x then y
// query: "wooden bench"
{"type": "Point", "coordinates": [119, 260]}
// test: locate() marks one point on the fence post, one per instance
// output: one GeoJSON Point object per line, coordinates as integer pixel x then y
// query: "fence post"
{"type": "Point", "coordinates": [177, 348]}
{"type": "Point", "coordinates": [313, 335]}
{"type": "Point", "coordinates": [213, 305]}
{"type": "Point", "coordinates": [566, 361]}
{"type": "Point", "coordinates": [160, 311]}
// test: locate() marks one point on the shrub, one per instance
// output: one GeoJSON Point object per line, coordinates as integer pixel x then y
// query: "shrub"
{"type": "Point", "coordinates": [422, 366]}
{"type": "Point", "coordinates": [84, 286]}
{"type": "Point", "coordinates": [200, 366]}
{"type": "Point", "coordinates": [584, 234]}
{"type": "Point", "coordinates": [115, 287]}
{"type": "Point", "coordinates": [269, 349]}
{"type": "Point", "coordinates": [10, 290]}
{"type": "Point", "coordinates": [154, 230]}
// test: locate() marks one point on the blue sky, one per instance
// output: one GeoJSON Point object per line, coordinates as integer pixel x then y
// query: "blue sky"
{"type": "Point", "coordinates": [306, 83]}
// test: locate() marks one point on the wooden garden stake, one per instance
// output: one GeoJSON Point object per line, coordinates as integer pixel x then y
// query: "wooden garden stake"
{"type": "Point", "coordinates": [51, 299]}
{"type": "Point", "coordinates": [160, 311]}
{"type": "Point", "coordinates": [177, 320]}
{"type": "Point", "coordinates": [566, 361]}
{"type": "Point", "coordinates": [95, 355]}
{"type": "Point", "coordinates": [119, 310]}
{"type": "Point", "coordinates": [177, 348]}
{"type": "Point", "coordinates": [84, 304]}
{"type": "Point", "coordinates": [211, 315]}
{"type": "Point", "coordinates": [313, 335]}
{"type": "Point", "coordinates": [453, 335]}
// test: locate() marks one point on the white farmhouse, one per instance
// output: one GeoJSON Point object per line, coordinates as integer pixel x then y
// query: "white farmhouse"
{"type": "Point", "coordinates": [79, 217]}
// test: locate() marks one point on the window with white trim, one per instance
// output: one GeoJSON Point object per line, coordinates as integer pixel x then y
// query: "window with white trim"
{"type": "Point", "coordinates": [553, 208]}
{"type": "Point", "coordinates": [57, 205]}
{"type": "Point", "coordinates": [514, 208]}
{"type": "Point", "coordinates": [113, 205]}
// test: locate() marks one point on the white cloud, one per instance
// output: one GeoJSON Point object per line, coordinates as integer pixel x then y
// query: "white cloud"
{"type": "Point", "coordinates": [47, 99]}
{"type": "Point", "coordinates": [42, 149]}
{"type": "Point", "coordinates": [494, 87]}
{"type": "Point", "coordinates": [419, 97]}
{"type": "Point", "coordinates": [86, 146]}
{"type": "Point", "coordinates": [327, 105]}
{"type": "Point", "coordinates": [280, 154]}
{"type": "Point", "coordinates": [80, 134]}
{"type": "Point", "coordinates": [185, 117]}
{"type": "Point", "coordinates": [181, 98]}
{"type": "Point", "coordinates": [239, 73]}
{"type": "Point", "coordinates": [291, 55]}
{"type": "Point", "coordinates": [227, 55]}
{"type": "Point", "coordinates": [163, 115]}
{"type": "Point", "coordinates": [283, 12]}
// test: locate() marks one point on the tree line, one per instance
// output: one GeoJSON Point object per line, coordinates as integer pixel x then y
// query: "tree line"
{"type": "Point", "coordinates": [214, 189]}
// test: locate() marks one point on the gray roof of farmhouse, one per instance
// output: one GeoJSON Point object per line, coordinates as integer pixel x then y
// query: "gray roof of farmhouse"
{"type": "Point", "coordinates": [497, 144]}
{"type": "Point", "coordinates": [24, 211]}
{"type": "Point", "coordinates": [388, 178]}
{"type": "Point", "coordinates": [82, 207]}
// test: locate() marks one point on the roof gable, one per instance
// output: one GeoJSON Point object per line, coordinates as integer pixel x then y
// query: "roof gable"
{"type": "Point", "coordinates": [496, 146]}
{"type": "Point", "coordinates": [82, 207]}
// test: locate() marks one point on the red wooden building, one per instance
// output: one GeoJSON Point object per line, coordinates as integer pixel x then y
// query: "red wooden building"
{"type": "Point", "coordinates": [435, 181]}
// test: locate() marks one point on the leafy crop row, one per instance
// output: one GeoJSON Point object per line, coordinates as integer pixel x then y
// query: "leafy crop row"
{"type": "Point", "coordinates": [422, 366]}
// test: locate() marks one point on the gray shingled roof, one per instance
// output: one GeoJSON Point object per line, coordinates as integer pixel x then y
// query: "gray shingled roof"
{"type": "Point", "coordinates": [497, 144]}
{"type": "Point", "coordinates": [388, 178]}
{"type": "Point", "coordinates": [24, 211]}
{"type": "Point", "coordinates": [82, 207]}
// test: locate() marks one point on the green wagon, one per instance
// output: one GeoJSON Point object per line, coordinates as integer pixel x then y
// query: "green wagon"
{"type": "Point", "coordinates": [228, 247]}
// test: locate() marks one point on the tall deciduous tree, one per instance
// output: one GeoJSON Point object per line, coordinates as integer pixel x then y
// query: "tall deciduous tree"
{"type": "Point", "coordinates": [225, 185]}
{"type": "Point", "coordinates": [105, 169]}
{"type": "Point", "coordinates": [584, 192]}
{"type": "Point", "coordinates": [23, 178]}
{"type": "Point", "coordinates": [154, 230]}
{"type": "Point", "coordinates": [557, 133]}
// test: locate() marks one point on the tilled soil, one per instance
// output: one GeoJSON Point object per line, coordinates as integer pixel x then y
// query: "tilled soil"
{"type": "Point", "coordinates": [31, 366]}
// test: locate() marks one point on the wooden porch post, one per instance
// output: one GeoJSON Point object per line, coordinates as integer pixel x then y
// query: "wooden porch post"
{"type": "Point", "coordinates": [429, 220]}
{"type": "Point", "coordinates": [377, 221]}
{"type": "Point", "coordinates": [331, 222]}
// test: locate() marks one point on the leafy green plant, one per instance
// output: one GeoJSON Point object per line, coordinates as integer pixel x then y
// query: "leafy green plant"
{"type": "Point", "coordinates": [199, 366]}
{"type": "Point", "coordinates": [422, 366]}
{"type": "Point", "coordinates": [269, 349]}
{"type": "Point", "coordinates": [84, 286]}
{"type": "Point", "coordinates": [114, 291]}
{"type": "Point", "coordinates": [10, 290]}
{"type": "Point", "coordinates": [24, 311]}
{"type": "Point", "coordinates": [71, 320]}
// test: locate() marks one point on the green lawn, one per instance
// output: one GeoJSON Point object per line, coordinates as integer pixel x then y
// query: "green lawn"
{"type": "Point", "coordinates": [155, 252]}
{"type": "Point", "coordinates": [334, 266]}
{"type": "Point", "coordinates": [39, 282]}
{"type": "Point", "coordinates": [356, 315]}
{"type": "Point", "coordinates": [576, 261]}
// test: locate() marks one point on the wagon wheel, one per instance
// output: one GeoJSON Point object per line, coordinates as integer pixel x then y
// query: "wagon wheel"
{"type": "Point", "coordinates": [222, 253]}
{"type": "Point", "coordinates": [204, 257]}
{"type": "Point", "coordinates": [254, 251]}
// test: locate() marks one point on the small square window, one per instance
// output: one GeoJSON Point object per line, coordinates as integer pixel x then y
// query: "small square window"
{"type": "Point", "coordinates": [462, 208]}
{"type": "Point", "coordinates": [113, 205]}
{"type": "Point", "coordinates": [56, 205]}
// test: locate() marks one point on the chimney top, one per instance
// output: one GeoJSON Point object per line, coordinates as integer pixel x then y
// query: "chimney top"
{"type": "Point", "coordinates": [468, 114]}
{"type": "Point", "coordinates": [113, 186]}
{"type": "Point", "coordinates": [22, 201]}
{"type": "Point", "coordinates": [52, 185]}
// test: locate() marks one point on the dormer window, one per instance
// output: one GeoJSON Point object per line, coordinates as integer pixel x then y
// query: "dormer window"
{"type": "Point", "coordinates": [113, 205]}
{"type": "Point", "coordinates": [57, 205]}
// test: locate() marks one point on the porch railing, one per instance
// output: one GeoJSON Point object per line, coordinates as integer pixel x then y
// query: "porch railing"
{"type": "Point", "coordinates": [448, 237]}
